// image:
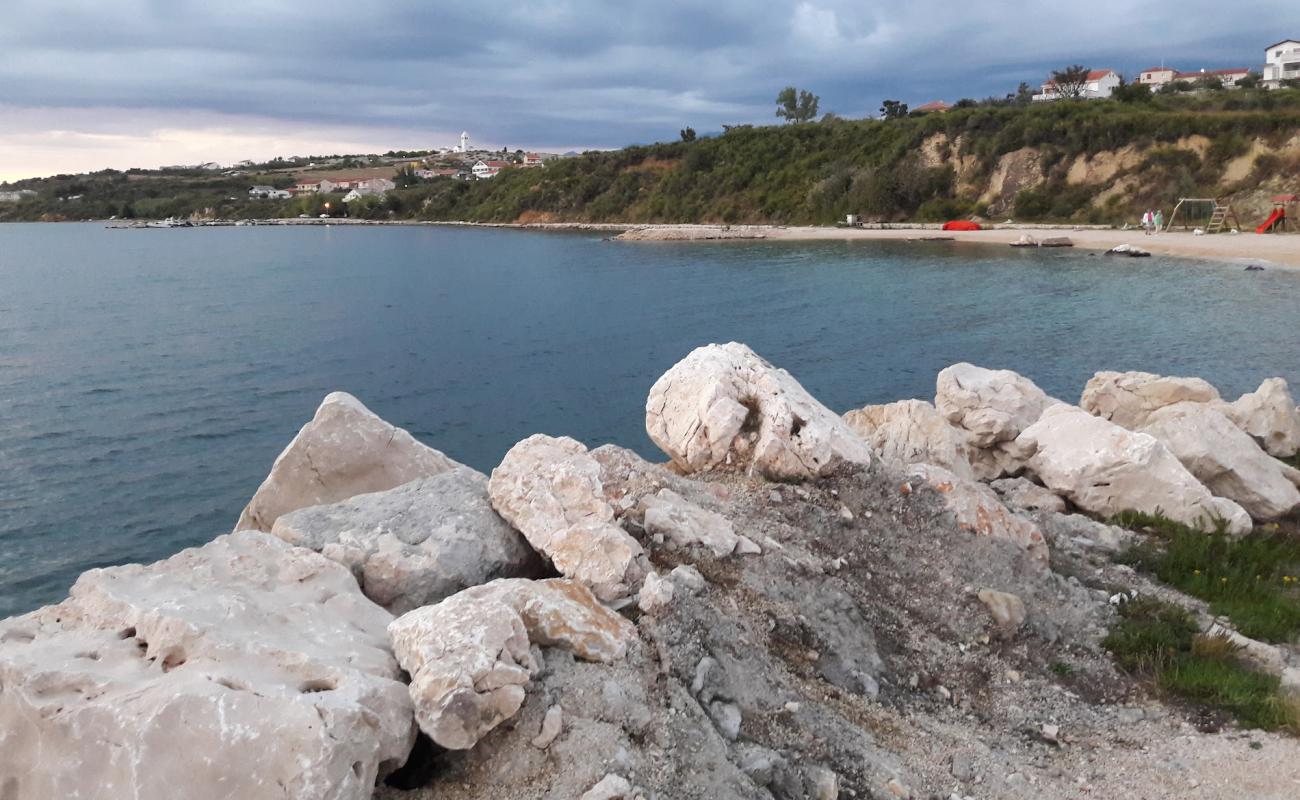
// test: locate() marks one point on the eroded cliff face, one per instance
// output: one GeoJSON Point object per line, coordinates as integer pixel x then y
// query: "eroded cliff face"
{"type": "Point", "coordinates": [1245, 172]}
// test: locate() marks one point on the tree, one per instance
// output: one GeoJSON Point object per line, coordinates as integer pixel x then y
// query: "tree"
{"type": "Point", "coordinates": [1024, 95]}
{"type": "Point", "coordinates": [688, 134]}
{"type": "Point", "coordinates": [1071, 81]}
{"type": "Point", "coordinates": [1251, 81]}
{"type": "Point", "coordinates": [1209, 82]}
{"type": "Point", "coordinates": [1132, 93]}
{"type": "Point", "coordinates": [893, 109]}
{"type": "Point", "coordinates": [796, 105]}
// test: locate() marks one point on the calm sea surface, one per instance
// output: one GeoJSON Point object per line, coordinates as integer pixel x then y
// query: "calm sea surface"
{"type": "Point", "coordinates": [148, 378]}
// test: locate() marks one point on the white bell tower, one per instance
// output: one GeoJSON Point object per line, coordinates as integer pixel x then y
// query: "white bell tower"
{"type": "Point", "coordinates": [464, 142]}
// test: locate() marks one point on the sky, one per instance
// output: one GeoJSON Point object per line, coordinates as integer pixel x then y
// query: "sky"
{"type": "Point", "coordinates": [88, 84]}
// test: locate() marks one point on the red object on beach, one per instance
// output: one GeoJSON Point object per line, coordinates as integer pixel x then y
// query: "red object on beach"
{"type": "Point", "coordinates": [961, 225]}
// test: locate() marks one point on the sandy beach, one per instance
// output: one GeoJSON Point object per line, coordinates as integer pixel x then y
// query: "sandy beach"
{"type": "Point", "coordinates": [1279, 251]}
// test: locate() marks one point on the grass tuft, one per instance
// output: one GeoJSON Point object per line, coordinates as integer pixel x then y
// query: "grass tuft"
{"type": "Point", "coordinates": [1253, 580]}
{"type": "Point", "coordinates": [1159, 642]}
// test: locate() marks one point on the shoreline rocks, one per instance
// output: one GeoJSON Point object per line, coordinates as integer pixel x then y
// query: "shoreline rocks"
{"type": "Point", "coordinates": [344, 451]}
{"type": "Point", "coordinates": [992, 407]}
{"type": "Point", "coordinates": [913, 432]}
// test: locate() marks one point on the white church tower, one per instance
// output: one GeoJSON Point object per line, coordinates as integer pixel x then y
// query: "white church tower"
{"type": "Point", "coordinates": [463, 147]}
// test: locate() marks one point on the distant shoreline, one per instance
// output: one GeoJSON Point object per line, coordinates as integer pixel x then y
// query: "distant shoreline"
{"type": "Point", "coordinates": [1279, 251]}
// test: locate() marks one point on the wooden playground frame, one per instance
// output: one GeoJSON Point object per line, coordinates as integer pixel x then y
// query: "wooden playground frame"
{"type": "Point", "coordinates": [1219, 214]}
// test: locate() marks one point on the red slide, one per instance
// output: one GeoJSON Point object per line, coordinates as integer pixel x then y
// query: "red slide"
{"type": "Point", "coordinates": [1276, 217]}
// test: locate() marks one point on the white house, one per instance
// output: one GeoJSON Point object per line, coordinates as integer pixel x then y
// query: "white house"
{"type": "Point", "coordinates": [1281, 62]}
{"type": "Point", "coordinates": [484, 170]}
{"type": "Point", "coordinates": [376, 185]}
{"type": "Point", "coordinates": [1099, 84]}
{"type": "Point", "coordinates": [268, 193]}
{"type": "Point", "coordinates": [16, 196]}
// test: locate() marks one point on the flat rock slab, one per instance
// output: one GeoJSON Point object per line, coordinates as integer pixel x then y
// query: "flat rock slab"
{"type": "Point", "coordinates": [416, 544]}
{"type": "Point", "coordinates": [723, 405]}
{"type": "Point", "coordinates": [344, 451]}
{"type": "Point", "coordinates": [245, 668]}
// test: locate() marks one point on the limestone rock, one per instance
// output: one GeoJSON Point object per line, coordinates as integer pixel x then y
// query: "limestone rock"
{"type": "Point", "coordinates": [1105, 469]}
{"type": "Point", "coordinates": [552, 725]}
{"type": "Point", "coordinates": [978, 510]}
{"type": "Point", "coordinates": [416, 544]}
{"type": "Point", "coordinates": [1269, 414]}
{"type": "Point", "coordinates": [469, 657]}
{"type": "Point", "coordinates": [1022, 494]}
{"type": "Point", "coordinates": [245, 668]}
{"type": "Point", "coordinates": [550, 489]}
{"type": "Point", "coordinates": [1007, 609]}
{"type": "Point", "coordinates": [1128, 398]}
{"type": "Point", "coordinates": [1085, 532]}
{"type": "Point", "coordinates": [992, 406]}
{"type": "Point", "coordinates": [344, 451]}
{"type": "Point", "coordinates": [610, 787]}
{"type": "Point", "coordinates": [1225, 458]}
{"type": "Point", "coordinates": [656, 594]}
{"type": "Point", "coordinates": [723, 405]}
{"type": "Point", "coordinates": [685, 524]}
{"type": "Point", "coordinates": [912, 432]}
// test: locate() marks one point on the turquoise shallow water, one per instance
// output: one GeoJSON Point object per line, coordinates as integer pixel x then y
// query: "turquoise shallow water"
{"type": "Point", "coordinates": [149, 378]}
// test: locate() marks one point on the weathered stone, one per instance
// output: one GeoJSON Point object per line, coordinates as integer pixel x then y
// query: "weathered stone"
{"type": "Point", "coordinates": [469, 658]}
{"type": "Point", "coordinates": [1128, 398]}
{"type": "Point", "coordinates": [1105, 469]}
{"type": "Point", "coordinates": [1007, 609]}
{"type": "Point", "coordinates": [416, 544]}
{"type": "Point", "coordinates": [978, 510]}
{"type": "Point", "coordinates": [688, 577]}
{"type": "Point", "coordinates": [344, 451]}
{"type": "Point", "coordinates": [1085, 531]}
{"type": "Point", "coordinates": [683, 523]}
{"type": "Point", "coordinates": [245, 668]}
{"type": "Point", "coordinates": [724, 405]}
{"type": "Point", "coordinates": [1022, 494]}
{"type": "Point", "coordinates": [550, 489]}
{"type": "Point", "coordinates": [552, 725]}
{"type": "Point", "coordinates": [610, 787]}
{"type": "Point", "coordinates": [1225, 458]}
{"type": "Point", "coordinates": [656, 594]}
{"type": "Point", "coordinates": [912, 432]}
{"type": "Point", "coordinates": [1259, 655]}
{"type": "Point", "coordinates": [1268, 414]}
{"type": "Point", "coordinates": [992, 406]}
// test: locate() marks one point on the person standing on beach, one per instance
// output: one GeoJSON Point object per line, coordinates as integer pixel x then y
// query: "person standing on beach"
{"type": "Point", "coordinates": [1146, 222]}
{"type": "Point", "coordinates": [1159, 220]}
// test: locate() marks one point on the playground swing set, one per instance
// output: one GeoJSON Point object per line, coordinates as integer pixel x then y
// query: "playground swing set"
{"type": "Point", "coordinates": [1220, 213]}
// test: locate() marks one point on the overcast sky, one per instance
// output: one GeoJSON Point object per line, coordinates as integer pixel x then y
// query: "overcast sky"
{"type": "Point", "coordinates": [86, 84]}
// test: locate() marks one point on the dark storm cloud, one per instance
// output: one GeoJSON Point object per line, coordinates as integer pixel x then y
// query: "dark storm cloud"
{"type": "Point", "coordinates": [586, 73]}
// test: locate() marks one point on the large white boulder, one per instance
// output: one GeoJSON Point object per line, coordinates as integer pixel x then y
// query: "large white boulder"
{"type": "Point", "coordinates": [469, 656]}
{"type": "Point", "coordinates": [245, 668]}
{"type": "Point", "coordinates": [550, 489]}
{"type": "Point", "coordinates": [685, 524]}
{"type": "Point", "coordinates": [724, 405]}
{"type": "Point", "coordinates": [991, 407]}
{"type": "Point", "coordinates": [344, 451]}
{"type": "Point", "coordinates": [416, 544]}
{"type": "Point", "coordinates": [1269, 414]}
{"type": "Point", "coordinates": [1225, 458]}
{"type": "Point", "coordinates": [912, 432]}
{"type": "Point", "coordinates": [1105, 469]}
{"type": "Point", "coordinates": [978, 510]}
{"type": "Point", "coordinates": [1128, 398]}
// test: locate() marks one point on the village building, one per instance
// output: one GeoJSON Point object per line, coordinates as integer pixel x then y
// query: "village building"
{"type": "Point", "coordinates": [1155, 77]}
{"type": "Point", "coordinates": [932, 107]}
{"type": "Point", "coordinates": [532, 160]}
{"type": "Point", "coordinates": [268, 193]}
{"type": "Point", "coordinates": [1281, 62]}
{"type": "Point", "coordinates": [1099, 84]}
{"type": "Point", "coordinates": [488, 169]}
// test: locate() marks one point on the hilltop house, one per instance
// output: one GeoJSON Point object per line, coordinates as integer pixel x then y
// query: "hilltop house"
{"type": "Point", "coordinates": [268, 193]}
{"type": "Point", "coordinates": [532, 160]}
{"type": "Point", "coordinates": [440, 172]}
{"type": "Point", "coordinates": [1281, 62]}
{"type": "Point", "coordinates": [935, 106]}
{"type": "Point", "coordinates": [488, 169]}
{"type": "Point", "coordinates": [1156, 77]}
{"type": "Point", "coordinates": [1100, 83]}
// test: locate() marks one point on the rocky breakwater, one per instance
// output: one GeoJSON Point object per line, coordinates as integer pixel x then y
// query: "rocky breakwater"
{"type": "Point", "coordinates": [797, 605]}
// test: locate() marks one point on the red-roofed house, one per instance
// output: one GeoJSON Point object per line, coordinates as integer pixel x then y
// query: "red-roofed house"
{"type": "Point", "coordinates": [1100, 83]}
{"type": "Point", "coordinates": [936, 106]}
{"type": "Point", "coordinates": [1229, 77]}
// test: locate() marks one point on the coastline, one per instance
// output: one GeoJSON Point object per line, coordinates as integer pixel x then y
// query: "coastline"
{"type": "Point", "coordinates": [1276, 251]}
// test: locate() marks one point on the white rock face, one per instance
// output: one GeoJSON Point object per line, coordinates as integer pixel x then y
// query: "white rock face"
{"type": "Point", "coordinates": [1225, 458]}
{"type": "Point", "coordinates": [416, 544]}
{"type": "Point", "coordinates": [245, 668]}
{"type": "Point", "coordinates": [978, 510]}
{"type": "Point", "coordinates": [683, 523]}
{"type": "Point", "coordinates": [550, 489]}
{"type": "Point", "coordinates": [723, 404]}
{"type": "Point", "coordinates": [344, 451]}
{"type": "Point", "coordinates": [656, 594]}
{"type": "Point", "coordinates": [1105, 469]}
{"type": "Point", "coordinates": [1268, 414]}
{"type": "Point", "coordinates": [469, 656]}
{"type": "Point", "coordinates": [912, 432]}
{"type": "Point", "coordinates": [1128, 398]}
{"type": "Point", "coordinates": [991, 407]}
